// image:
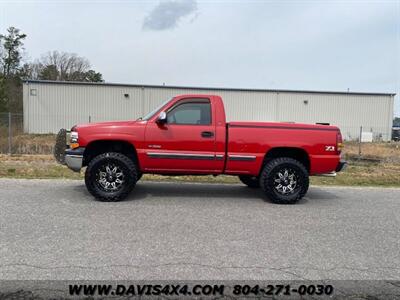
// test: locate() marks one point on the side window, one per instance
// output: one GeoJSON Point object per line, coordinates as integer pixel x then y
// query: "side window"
{"type": "Point", "coordinates": [194, 113]}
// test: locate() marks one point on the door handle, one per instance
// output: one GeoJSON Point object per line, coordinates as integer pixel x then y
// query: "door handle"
{"type": "Point", "coordinates": [207, 134]}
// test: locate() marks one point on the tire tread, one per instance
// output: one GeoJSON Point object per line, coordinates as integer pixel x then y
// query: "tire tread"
{"type": "Point", "coordinates": [101, 195]}
{"type": "Point", "coordinates": [268, 170]}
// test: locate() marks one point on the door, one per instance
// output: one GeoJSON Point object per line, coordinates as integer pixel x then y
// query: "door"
{"type": "Point", "coordinates": [185, 143]}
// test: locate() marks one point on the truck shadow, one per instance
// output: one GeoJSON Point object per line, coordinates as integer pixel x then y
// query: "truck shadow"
{"type": "Point", "coordinates": [194, 191]}
{"type": "Point", "coordinates": [188, 191]}
{"type": "Point", "coordinates": [148, 191]}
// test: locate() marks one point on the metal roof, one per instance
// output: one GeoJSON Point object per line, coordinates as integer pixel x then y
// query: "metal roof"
{"type": "Point", "coordinates": [206, 88]}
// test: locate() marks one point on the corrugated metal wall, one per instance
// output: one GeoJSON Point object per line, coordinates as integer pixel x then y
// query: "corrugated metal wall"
{"type": "Point", "coordinates": [49, 106]}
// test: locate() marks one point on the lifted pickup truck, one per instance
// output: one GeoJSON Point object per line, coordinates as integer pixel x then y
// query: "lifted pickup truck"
{"type": "Point", "coordinates": [189, 135]}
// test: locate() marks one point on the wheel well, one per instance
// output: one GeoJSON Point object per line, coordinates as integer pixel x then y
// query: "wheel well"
{"type": "Point", "coordinates": [98, 147]}
{"type": "Point", "coordinates": [295, 153]}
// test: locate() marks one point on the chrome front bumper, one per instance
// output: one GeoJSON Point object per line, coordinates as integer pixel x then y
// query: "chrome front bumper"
{"type": "Point", "coordinates": [74, 158]}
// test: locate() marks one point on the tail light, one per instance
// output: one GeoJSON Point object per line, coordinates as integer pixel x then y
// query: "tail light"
{"type": "Point", "coordinates": [339, 142]}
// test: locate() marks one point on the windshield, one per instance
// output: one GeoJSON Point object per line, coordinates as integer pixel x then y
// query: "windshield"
{"type": "Point", "coordinates": [151, 114]}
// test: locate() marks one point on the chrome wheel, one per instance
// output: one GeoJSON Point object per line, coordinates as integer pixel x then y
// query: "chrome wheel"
{"type": "Point", "coordinates": [286, 181]}
{"type": "Point", "coordinates": [110, 177]}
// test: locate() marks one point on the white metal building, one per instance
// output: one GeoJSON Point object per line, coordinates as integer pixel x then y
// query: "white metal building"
{"type": "Point", "coordinates": [49, 106]}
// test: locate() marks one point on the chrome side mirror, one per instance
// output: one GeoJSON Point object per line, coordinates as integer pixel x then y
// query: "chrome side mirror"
{"type": "Point", "coordinates": [162, 118]}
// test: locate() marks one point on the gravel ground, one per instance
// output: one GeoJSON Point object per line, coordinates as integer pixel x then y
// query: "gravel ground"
{"type": "Point", "coordinates": [52, 229]}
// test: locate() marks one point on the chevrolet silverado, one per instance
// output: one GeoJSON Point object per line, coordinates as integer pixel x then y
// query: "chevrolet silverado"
{"type": "Point", "coordinates": [189, 135]}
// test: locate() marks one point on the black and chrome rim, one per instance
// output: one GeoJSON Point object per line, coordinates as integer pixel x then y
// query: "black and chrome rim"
{"type": "Point", "coordinates": [286, 181]}
{"type": "Point", "coordinates": [110, 177]}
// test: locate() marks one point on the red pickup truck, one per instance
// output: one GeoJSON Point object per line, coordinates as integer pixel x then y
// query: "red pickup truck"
{"type": "Point", "coordinates": [189, 135]}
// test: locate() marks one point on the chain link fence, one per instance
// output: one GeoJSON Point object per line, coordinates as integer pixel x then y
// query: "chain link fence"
{"type": "Point", "coordinates": [15, 140]}
{"type": "Point", "coordinates": [366, 133]}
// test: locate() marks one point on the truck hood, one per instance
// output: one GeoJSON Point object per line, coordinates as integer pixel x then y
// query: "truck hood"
{"type": "Point", "coordinates": [105, 124]}
{"type": "Point", "coordinates": [129, 131]}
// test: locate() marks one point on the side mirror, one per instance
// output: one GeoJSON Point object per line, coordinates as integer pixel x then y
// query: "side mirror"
{"type": "Point", "coordinates": [162, 118]}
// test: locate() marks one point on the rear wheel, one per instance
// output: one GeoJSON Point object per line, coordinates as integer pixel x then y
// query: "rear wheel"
{"type": "Point", "coordinates": [250, 181]}
{"type": "Point", "coordinates": [284, 180]}
{"type": "Point", "coordinates": [110, 176]}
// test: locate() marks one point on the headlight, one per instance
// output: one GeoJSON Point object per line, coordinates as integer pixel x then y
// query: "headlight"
{"type": "Point", "coordinates": [73, 140]}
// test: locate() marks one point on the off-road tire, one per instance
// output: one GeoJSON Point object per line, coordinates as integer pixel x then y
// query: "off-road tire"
{"type": "Point", "coordinates": [251, 181]}
{"type": "Point", "coordinates": [127, 166]}
{"type": "Point", "coordinates": [271, 170]}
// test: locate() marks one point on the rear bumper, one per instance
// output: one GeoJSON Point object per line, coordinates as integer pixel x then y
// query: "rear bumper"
{"type": "Point", "coordinates": [341, 166]}
{"type": "Point", "coordinates": [74, 158]}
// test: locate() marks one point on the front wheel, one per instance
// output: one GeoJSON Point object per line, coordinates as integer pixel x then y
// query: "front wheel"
{"type": "Point", "coordinates": [250, 181]}
{"type": "Point", "coordinates": [139, 176]}
{"type": "Point", "coordinates": [284, 180]}
{"type": "Point", "coordinates": [110, 176]}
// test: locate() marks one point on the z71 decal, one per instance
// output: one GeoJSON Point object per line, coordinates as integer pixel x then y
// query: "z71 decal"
{"type": "Point", "coordinates": [330, 148]}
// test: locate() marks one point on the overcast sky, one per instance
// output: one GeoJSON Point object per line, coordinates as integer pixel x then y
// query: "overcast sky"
{"type": "Point", "coordinates": [310, 45]}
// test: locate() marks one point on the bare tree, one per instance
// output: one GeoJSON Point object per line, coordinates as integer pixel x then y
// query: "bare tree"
{"type": "Point", "coordinates": [63, 66]}
{"type": "Point", "coordinates": [1, 53]}
{"type": "Point", "coordinates": [54, 65]}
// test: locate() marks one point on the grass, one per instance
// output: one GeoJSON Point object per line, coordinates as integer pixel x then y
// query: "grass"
{"type": "Point", "coordinates": [44, 167]}
{"type": "Point", "coordinates": [27, 143]}
{"type": "Point", "coordinates": [383, 152]}
{"type": "Point", "coordinates": [379, 165]}
{"type": "Point", "coordinates": [364, 174]}
{"type": "Point", "coordinates": [33, 166]}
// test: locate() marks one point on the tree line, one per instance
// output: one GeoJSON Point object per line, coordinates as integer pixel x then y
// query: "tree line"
{"type": "Point", "coordinates": [53, 65]}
